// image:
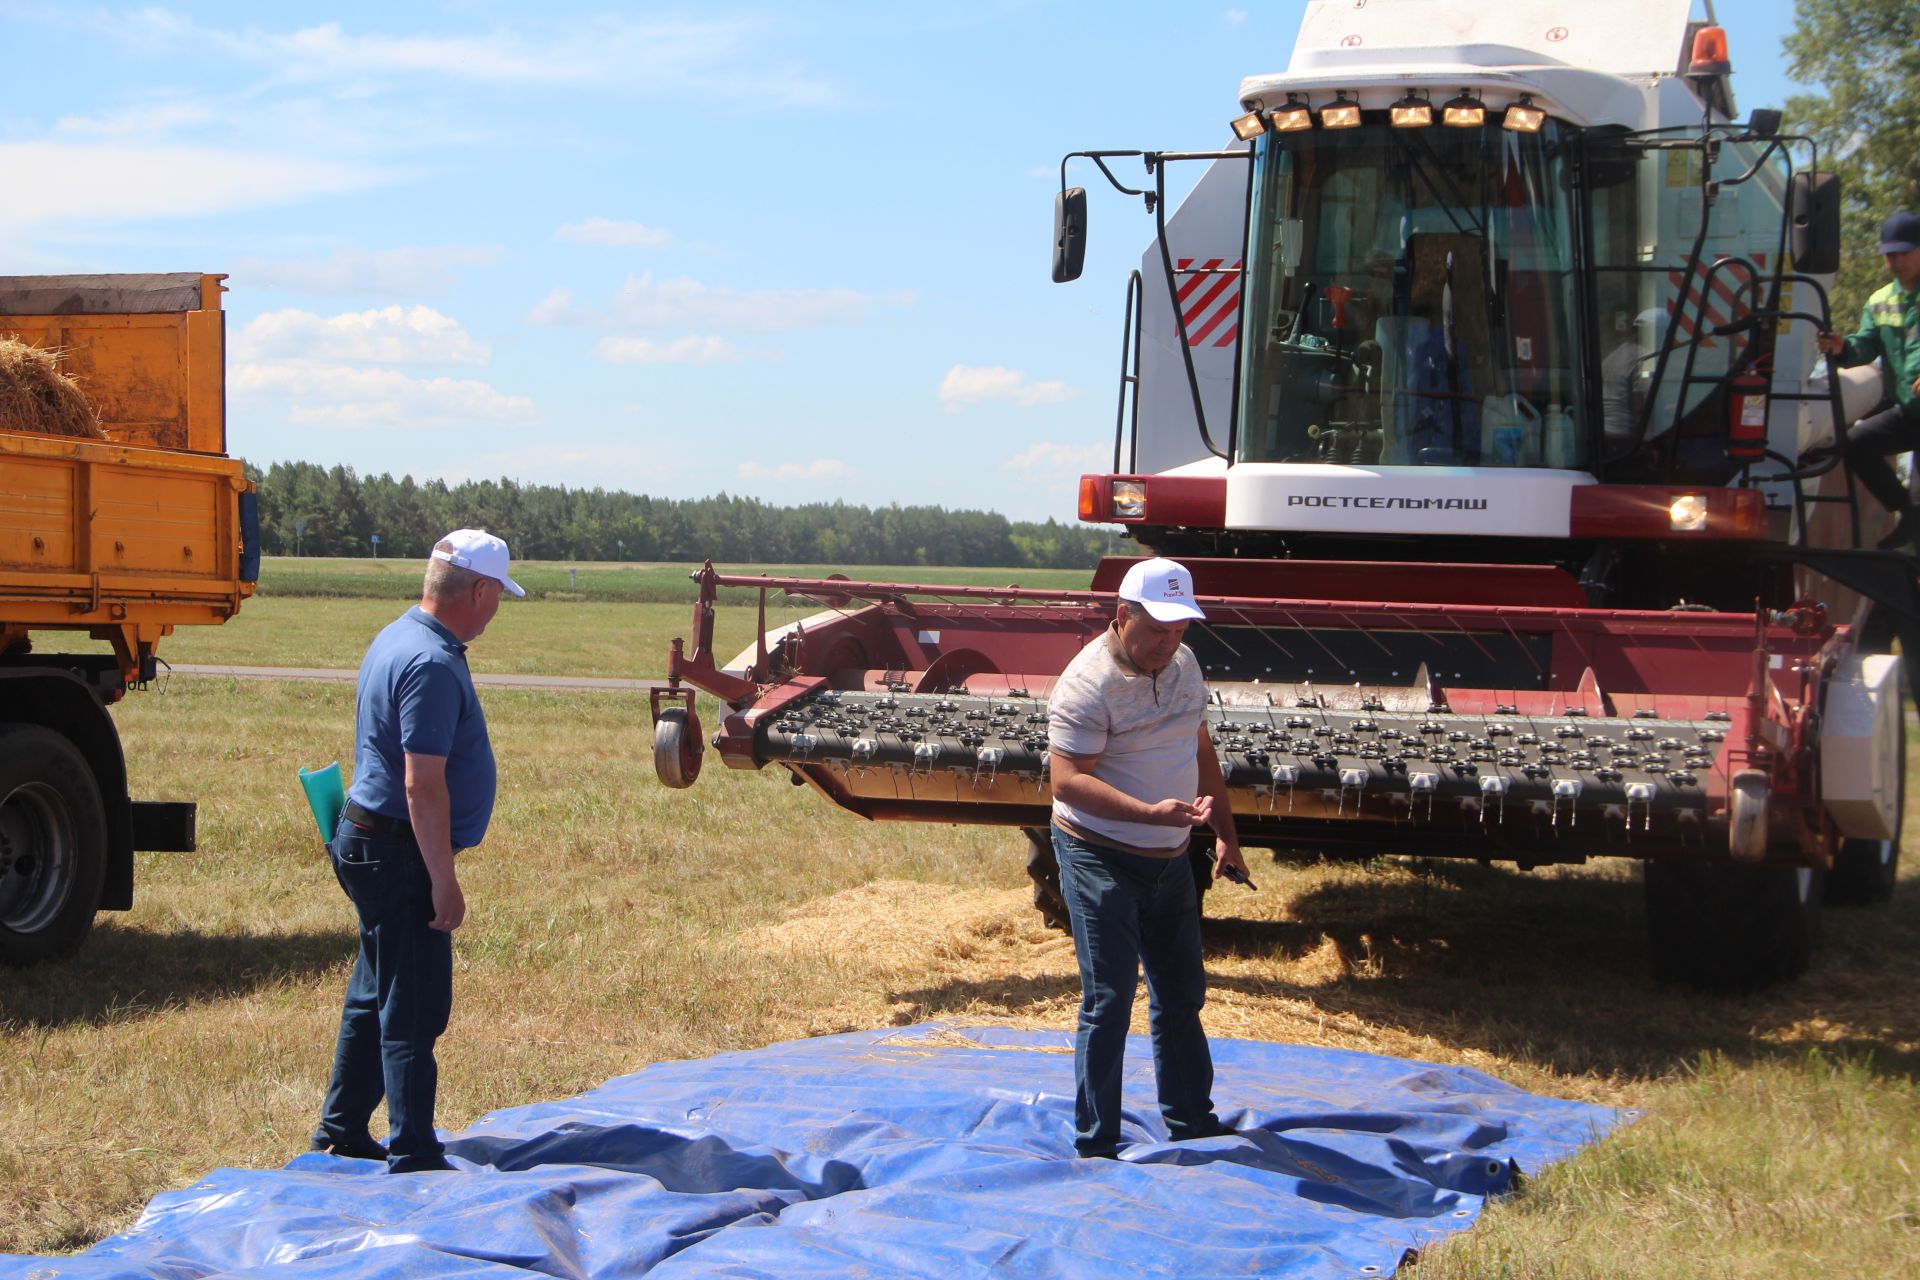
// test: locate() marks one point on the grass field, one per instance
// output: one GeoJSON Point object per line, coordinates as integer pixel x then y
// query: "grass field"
{"type": "Point", "coordinates": [626, 583]}
{"type": "Point", "coordinates": [614, 923]}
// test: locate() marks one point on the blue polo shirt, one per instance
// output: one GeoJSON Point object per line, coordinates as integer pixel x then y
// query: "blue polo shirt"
{"type": "Point", "coordinates": [416, 696]}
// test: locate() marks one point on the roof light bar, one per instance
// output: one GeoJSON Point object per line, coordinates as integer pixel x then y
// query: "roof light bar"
{"type": "Point", "coordinates": [1341, 113]}
{"type": "Point", "coordinates": [1411, 112]}
{"type": "Point", "coordinates": [1464, 112]}
{"type": "Point", "coordinates": [1292, 118]}
{"type": "Point", "coordinates": [1523, 116]}
{"type": "Point", "coordinates": [1249, 126]}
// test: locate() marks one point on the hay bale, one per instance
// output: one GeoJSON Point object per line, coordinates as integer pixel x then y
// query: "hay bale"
{"type": "Point", "coordinates": [35, 396]}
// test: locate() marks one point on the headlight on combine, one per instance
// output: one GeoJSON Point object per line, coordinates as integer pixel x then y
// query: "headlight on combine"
{"type": "Point", "coordinates": [1341, 113]}
{"type": "Point", "coordinates": [1523, 116]}
{"type": "Point", "coordinates": [1129, 499]}
{"type": "Point", "coordinates": [1688, 514]}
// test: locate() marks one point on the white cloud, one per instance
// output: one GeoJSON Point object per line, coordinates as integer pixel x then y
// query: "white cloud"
{"type": "Point", "coordinates": [150, 119]}
{"type": "Point", "coordinates": [818, 469]}
{"type": "Point", "coordinates": [112, 182]}
{"type": "Point", "coordinates": [1234, 17]}
{"type": "Point", "coordinates": [406, 272]}
{"type": "Point", "coordinates": [691, 349]}
{"type": "Point", "coordinates": [654, 55]}
{"type": "Point", "coordinates": [973, 384]}
{"type": "Point", "coordinates": [1045, 456]}
{"type": "Point", "coordinates": [389, 335]}
{"type": "Point", "coordinates": [615, 234]}
{"type": "Point", "coordinates": [642, 303]}
{"type": "Point", "coordinates": [325, 395]}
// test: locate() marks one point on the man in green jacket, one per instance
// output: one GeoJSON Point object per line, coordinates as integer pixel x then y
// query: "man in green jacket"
{"type": "Point", "coordinates": [1889, 331]}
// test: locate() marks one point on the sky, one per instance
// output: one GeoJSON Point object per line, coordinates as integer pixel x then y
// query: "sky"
{"type": "Point", "coordinates": [793, 251]}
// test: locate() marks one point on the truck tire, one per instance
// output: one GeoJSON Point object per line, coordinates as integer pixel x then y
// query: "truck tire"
{"type": "Point", "coordinates": [53, 845]}
{"type": "Point", "coordinates": [1731, 927]}
{"type": "Point", "coordinates": [1864, 870]}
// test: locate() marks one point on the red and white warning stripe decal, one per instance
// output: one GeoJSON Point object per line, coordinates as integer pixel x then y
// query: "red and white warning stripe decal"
{"type": "Point", "coordinates": [1726, 296]}
{"type": "Point", "coordinates": [1209, 298]}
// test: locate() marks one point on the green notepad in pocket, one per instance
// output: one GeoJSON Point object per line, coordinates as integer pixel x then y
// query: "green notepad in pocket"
{"type": "Point", "coordinates": [325, 796]}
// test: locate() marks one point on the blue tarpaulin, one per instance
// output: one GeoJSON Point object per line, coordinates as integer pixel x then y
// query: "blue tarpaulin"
{"type": "Point", "coordinates": [927, 1151]}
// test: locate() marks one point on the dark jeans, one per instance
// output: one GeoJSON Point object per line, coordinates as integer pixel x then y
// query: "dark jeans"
{"type": "Point", "coordinates": [1129, 911]}
{"type": "Point", "coordinates": [1873, 440]}
{"type": "Point", "coordinates": [398, 999]}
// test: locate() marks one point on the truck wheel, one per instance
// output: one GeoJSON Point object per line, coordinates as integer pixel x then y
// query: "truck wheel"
{"type": "Point", "coordinates": [53, 845]}
{"type": "Point", "coordinates": [1864, 870]}
{"type": "Point", "coordinates": [1044, 871]}
{"type": "Point", "coordinates": [1730, 926]}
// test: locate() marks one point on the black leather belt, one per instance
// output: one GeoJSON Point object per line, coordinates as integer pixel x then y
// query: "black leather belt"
{"type": "Point", "coordinates": [372, 821]}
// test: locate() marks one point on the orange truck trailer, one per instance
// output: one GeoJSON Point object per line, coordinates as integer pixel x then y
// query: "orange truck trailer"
{"type": "Point", "coordinates": [106, 545]}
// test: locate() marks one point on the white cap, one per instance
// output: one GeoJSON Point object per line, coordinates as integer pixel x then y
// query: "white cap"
{"type": "Point", "coordinates": [1163, 588]}
{"type": "Point", "coordinates": [478, 551]}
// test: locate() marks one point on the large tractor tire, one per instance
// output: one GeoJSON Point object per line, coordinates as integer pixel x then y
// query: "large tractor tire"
{"type": "Point", "coordinates": [53, 845]}
{"type": "Point", "coordinates": [1730, 927]}
{"type": "Point", "coordinates": [1864, 870]}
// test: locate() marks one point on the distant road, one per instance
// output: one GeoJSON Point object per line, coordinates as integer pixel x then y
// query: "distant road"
{"type": "Point", "coordinates": [345, 675]}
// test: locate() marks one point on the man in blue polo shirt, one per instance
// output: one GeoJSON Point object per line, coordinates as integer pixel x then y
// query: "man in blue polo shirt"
{"type": "Point", "coordinates": [423, 786]}
{"type": "Point", "coordinates": [1889, 331]}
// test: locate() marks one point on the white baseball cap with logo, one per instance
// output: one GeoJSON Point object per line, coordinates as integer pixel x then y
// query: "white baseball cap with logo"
{"type": "Point", "coordinates": [478, 551]}
{"type": "Point", "coordinates": [1163, 588]}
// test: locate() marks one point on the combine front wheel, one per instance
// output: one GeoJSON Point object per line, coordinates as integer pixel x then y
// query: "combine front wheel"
{"type": "Point", "coordinates": [1044, 870]}
{"type": "Point", "coordinates": [1731, 926]}
{"type": "Point", "coordinates": [1864, 870]}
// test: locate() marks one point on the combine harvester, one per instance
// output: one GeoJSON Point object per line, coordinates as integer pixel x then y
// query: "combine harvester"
{"type": "Point", "coordinates": [1473, 384]}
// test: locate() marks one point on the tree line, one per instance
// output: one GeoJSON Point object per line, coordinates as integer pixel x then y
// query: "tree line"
{"type": "Point", "coordinates": [306, 509]}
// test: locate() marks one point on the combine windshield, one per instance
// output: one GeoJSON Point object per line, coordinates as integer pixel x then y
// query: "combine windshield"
{"type": "Point", "coordinates": [1413, 300]}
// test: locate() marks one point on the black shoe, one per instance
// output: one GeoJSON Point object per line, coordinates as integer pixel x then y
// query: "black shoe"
{"type": "Point", "coordinates": [1905, 531]}
{"type": "Point", "coordinates": [422, 1164]}
{"type": "Point", "coordinates": [361, 1148]}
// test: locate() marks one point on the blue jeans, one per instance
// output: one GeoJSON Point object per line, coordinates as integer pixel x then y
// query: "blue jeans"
{"type": "Point", "coordinates": [1129, 911]}
{"type": "Point", "coordinates": [398, 999]}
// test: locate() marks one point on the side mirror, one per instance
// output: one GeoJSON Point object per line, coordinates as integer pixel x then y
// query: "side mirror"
{"type": "Point", "coordinates": [1813, 234]}
{"type": "Point", "coordinates": [1069, 234]}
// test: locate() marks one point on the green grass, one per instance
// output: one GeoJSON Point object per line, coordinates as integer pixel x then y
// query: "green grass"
{"type": "Point", "coordinates": [525, 638]}
{"type": "Point", "coordinates": [634, 583]}
{"type": "Point", "coordinates": [615, 923]}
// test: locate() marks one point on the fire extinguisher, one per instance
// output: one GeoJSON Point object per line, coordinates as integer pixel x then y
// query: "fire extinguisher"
{"type": "Point", "coordinates": [1747, 415]}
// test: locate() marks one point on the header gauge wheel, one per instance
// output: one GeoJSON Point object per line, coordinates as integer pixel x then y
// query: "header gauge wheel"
{"type": "Point", "coordinates": [677, 747]}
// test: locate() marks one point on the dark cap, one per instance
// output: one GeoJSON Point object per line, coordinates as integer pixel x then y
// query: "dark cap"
{"type": "Point", "coordinates": [1900, 233]}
